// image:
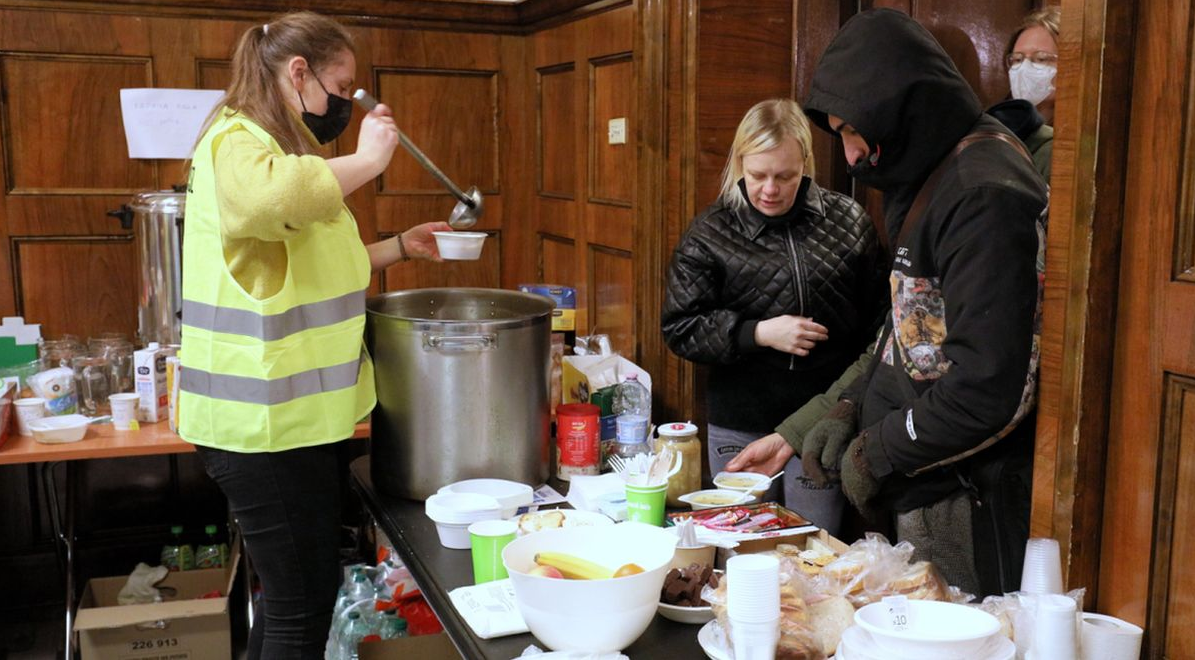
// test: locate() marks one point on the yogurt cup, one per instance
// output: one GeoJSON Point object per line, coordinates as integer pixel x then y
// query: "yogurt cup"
{"type": "Point", "coordinates": [28, 410]}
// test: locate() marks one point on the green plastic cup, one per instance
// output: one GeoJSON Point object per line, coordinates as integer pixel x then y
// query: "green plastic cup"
{"type": "Point", "coordinates": [645, 504]}
{"type": "Point", "coordinates": [486, 540]}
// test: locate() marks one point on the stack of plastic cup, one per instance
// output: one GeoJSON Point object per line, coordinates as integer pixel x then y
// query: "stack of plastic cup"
{"type": "Point", "coordinates": [1056, 629]}
{"type": "Point", "coordinates": [1042, 573]}
{"type": "Point", "coordinates": [753, 605]}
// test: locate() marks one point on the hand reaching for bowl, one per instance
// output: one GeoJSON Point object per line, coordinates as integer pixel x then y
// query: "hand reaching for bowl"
{"type": "Point", "coordinates": [790, 334]}
{"type": "Point", "coordinates": [766, 456]}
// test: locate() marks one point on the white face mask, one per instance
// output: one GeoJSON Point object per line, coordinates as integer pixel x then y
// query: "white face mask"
{"type": "Point", "coordinates": [1031, 81]}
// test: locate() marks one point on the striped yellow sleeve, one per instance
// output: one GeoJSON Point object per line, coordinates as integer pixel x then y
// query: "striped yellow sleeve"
{"type": "Point", "coordinates": [269, 197]}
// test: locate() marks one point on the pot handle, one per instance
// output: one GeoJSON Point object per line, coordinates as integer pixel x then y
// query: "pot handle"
{"type": "Point", "coordinates": [459, 343]}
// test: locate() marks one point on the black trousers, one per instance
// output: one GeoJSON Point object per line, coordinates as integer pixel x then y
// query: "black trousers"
{"type": "Point", "coordinates": [288, 507]}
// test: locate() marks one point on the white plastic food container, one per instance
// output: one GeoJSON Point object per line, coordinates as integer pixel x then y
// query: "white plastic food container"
{"type": "Point", "coordinates": [510, 494]}
{"type": "Point", "coordinates": [460, 245]}
{"type": "Point", "coordinates": [454, 512]}
{"type": "Point", "coordinates": [714, 498]}
{"type": "Point", "coordinates": [59, 429]}
{"type": "Point", "coordinates": [744, 482]}
{"type": "Point", "coordinates": [935, 630]}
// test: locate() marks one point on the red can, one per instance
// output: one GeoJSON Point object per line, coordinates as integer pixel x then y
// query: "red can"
{"type": "Point", "coordinates": [577, 444]}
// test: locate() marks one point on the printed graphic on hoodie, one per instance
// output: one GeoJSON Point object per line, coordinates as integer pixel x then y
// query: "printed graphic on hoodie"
{"type": "Point", "coordinates": [919, 320]}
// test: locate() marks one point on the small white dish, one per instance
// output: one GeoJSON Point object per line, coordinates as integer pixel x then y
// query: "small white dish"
{"type": "Point", "coordinates": [460, 245]}
{"type": "Point", "coordinates": [510, 494]}
{"type": "Point", "coordinates": [693, 615]}
{"type": "Point", "coordinates": [59, 429]}
{"type": "Point", "coordinates": [713, 641]}
{"type": "Point", "coordinates": [936, 630]}
{"type": "Point", "coordinates": [717, 497]}
{"type": "Point", "coordinates": [746, 482]}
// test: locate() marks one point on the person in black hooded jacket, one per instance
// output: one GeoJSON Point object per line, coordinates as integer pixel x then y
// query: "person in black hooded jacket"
{"type": "Point", "coordinates": [777, 286]}
{"type": "Point", "coordinates": [954, 384]}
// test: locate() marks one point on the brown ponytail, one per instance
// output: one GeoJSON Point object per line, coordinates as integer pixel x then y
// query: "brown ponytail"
{"type": "Point", "coordinates": [258, 62]}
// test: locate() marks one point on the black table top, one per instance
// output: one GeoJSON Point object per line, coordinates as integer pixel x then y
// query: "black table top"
{"type": "Point", "coordinates": [439, 570]}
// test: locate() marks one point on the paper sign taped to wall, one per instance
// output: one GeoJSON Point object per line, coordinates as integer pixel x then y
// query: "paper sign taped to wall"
{"type": "Point", "coordinates": [164, 123]}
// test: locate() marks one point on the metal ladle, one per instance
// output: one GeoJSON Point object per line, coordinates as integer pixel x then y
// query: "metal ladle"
{"type": "Point", "coordinates": [469, 205]}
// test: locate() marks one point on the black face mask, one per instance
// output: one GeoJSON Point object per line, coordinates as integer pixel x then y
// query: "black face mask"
{"type": "Point", "coordinates": [865, 168]}
{"type": "Point", "coordinates": [331, 124]}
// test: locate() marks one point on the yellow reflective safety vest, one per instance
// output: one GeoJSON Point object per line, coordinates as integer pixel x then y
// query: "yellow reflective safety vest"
{"type": "Point", "coordinates": [280, 373]}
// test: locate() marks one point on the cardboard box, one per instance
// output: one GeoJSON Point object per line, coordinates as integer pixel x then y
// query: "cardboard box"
{"type": "Point", "coordinates": [795, 531]}
{"type": "Point", "coordinates": [564, 317]}
{"type": "Point", "coordinates": [185, 627]}
{"type": "Point", "coordinates": [585, 374]}
{"type": "Point", "coordinates": [424, 647]}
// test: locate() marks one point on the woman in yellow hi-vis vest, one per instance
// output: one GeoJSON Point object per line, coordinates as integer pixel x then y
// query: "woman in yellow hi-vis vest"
{"type": "Point", "coordinates": [274, 282]}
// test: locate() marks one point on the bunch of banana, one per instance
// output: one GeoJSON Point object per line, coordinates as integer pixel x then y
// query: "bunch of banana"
{"type": "Point", "coordinates": [573, 567]}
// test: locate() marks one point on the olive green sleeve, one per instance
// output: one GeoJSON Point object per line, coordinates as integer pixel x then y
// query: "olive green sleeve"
{"type": "Point", "coordinates": [794, 428]}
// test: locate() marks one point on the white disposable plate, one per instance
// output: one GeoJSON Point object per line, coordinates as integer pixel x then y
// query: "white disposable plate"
{"type": "Point", "coordinates": [693, 615]}
{"type": "Point", "coordinates": [574, 518]}
{"type": "Point", "coordinates": [713, 641]}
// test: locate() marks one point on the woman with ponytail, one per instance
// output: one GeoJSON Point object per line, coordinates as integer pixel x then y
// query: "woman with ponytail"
{"type": "Point", "coordinates": [274, 369]}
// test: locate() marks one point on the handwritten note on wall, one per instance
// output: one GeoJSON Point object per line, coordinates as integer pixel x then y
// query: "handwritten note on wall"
{"type": "Point", "coordinates": [164, 123]}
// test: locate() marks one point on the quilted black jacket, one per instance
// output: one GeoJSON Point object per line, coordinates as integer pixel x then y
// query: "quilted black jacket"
{"type": "Point", "coordinates": [734, 268]}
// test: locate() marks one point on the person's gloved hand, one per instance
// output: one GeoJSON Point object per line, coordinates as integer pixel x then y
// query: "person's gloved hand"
{"type": "Point", "coordinates": [858, 483]}
{"type": "Point", "coordinates": [825, 442]}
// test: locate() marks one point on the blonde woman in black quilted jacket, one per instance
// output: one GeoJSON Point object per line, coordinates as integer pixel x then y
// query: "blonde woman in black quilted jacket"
{"type": "Point", "coordinates": [777, 287]}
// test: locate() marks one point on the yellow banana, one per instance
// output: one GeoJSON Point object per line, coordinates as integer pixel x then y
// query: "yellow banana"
{"type": "Point", "coordinates": [573, 567]}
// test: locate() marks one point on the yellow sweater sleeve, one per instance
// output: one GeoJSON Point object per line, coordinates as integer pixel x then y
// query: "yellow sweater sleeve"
{"type": "Point", "coordinates": [269, 197]}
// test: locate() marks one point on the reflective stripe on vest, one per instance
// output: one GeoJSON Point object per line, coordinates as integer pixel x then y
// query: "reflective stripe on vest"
{"type": "Point", "coordinates": [271, 327]}
{"type": "Point", "coordinates": [270, 392]}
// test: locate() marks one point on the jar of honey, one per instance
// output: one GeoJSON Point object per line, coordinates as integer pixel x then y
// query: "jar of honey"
{"type": "Point", "coordinates": [682, 437]}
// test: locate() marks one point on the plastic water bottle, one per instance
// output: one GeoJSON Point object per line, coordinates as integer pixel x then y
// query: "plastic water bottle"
{"type": "Point", "coordinates": [176, 555]}
{"type": "Point", "coordinates": [209, 555]}
{"type": "Point", "coordinates": [632, 405]}
{"type": "Point", "coordinates": [355, 629]}
{"type": "Point", "coordinates": [393, 625]}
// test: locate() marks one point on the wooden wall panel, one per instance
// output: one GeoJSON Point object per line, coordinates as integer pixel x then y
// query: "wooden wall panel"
{"type": "Point", "coordinates": [45, 154]}
{"type": "Point", "coordinates": [213, 74]}
{"type": "Point", "coordinates": [612, 299]}
{"type": "Point", "coordinates": [611, 95]}
{"type": "Point", "coordinates": [558, 259]}
{"type": "Point", "coordinates": [452, 117]}
{"type": "Point", "coordinates": [1172, 604]}
{"type": "Point", "coordinates": [556, 149]}
{"type": "Point", "coordinates": [81, 285]}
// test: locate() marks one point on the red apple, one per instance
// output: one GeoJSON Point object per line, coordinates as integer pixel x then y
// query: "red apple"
{"type": "Point", "coordinates": [546, 571]}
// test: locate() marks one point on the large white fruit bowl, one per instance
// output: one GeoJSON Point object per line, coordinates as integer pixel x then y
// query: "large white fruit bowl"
{"type": "Point", "coordinates": [591, 615]}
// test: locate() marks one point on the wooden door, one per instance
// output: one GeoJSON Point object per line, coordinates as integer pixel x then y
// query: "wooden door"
{"type": "Point", "coordinates": [1150, 478]}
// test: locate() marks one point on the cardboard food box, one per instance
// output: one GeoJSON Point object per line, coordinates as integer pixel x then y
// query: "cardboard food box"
{"type": "Point", "coordinates": [794, 529]}
{"type": "Point", "coordinates": [185, 626]}
{"type": "Point", "coordinates": [424, 647]}
{"type": "Point", "coordinates": [564, 317]}
{"type": "Point", "coordinates": [149, 377]}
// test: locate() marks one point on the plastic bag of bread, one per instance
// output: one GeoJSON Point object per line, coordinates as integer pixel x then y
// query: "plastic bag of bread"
{"type": "Point", "coordinates": [797, 638]}
{"type": "Point", "coordinates": [864, 573]}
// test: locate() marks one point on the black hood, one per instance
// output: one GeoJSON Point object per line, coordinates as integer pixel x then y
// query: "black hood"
{"type": "Point", "coordinates": [1019, 115]}
{"type": "Point", "coordinates": [888, 77]}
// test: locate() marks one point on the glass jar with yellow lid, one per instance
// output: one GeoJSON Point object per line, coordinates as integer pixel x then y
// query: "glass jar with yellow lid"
{"type": "Point", "coordinates": [682, 437]}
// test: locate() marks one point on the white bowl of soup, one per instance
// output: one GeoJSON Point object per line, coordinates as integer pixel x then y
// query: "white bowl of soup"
{"type": "Point", "coordinates": [716, 497]}
{"type": "Point", "coordinates": [745, 482]}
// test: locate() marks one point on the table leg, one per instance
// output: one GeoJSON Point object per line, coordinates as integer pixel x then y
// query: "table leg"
{"type": "Point", "coordinates": [63, 520]}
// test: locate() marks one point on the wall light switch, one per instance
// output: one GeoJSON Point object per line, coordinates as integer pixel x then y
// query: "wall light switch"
{"type": "Point", "coordinates": [616, 131]}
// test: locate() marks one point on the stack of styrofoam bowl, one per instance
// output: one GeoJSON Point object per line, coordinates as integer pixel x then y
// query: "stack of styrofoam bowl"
{"type": "Point", "coordinates": [510, 494]}
{"type": "Point", "coordinates": [454, 512]}
{"type": "Point", "coordinates": [935, 631]}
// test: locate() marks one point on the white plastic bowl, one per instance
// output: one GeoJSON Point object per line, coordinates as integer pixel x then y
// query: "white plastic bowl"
{"type": "Point", "coordinates": [460, 245]}
{"type": "Point", "coordinates": [510, 494]}
{"type": "Point", "coordinates": [731, 497]}
{"type": "Point", "coordinates": [59, 429]}
{"type": "Point", "coordinates": [753, 482]}
{"type": "Point", "coordinates": [936, 630]}
{"type": "Point", "coordinates": [600, 616]}
{"type": "Point", "coordinates": [454, 512]}
{"type": "Point", "coordinates": [693, 615]}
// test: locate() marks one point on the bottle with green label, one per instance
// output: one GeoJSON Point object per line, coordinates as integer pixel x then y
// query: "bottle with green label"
{"type": "Point", "coordinates": [176, 555]}
{"type": "Point", "coordinates": [212, 554]}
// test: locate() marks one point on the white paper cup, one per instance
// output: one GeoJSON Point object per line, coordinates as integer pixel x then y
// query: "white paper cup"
{"type": "Point", "coordinates": [124, 409]}
{"type": "Point", "coordinates": [753, 588]}
{"type": "Point", "coordinates": [1105, 637]}
{"type": "Point", "coordinates": [1042, 573]}
{"type": "Point", "coordinates": [754, 640]}
{"type": "Point", "coordinates": [27, 411]}
{"type": "Point", "coordinates": [1056, 631]}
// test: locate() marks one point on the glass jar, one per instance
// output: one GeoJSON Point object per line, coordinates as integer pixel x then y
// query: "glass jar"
{"type": "Point", "coordinates": [682, 437]}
